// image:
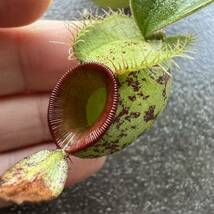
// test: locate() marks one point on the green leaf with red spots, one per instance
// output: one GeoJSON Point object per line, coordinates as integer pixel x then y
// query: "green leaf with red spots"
{"type": "Point", "coordinates": [125, 50]}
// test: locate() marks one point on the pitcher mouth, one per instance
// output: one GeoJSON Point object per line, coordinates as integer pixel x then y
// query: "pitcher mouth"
{"type": "Point", "coordinates": [82, 106]}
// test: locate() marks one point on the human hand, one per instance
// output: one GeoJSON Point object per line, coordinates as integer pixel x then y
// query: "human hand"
{"type": "Point", "coordinates": [29, 67]}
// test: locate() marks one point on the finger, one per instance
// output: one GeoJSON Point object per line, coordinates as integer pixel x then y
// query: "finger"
{"type": "Point", "coordinates": [80, 169]}
{"type": "Point", "coordinates": [15, 13]}
{"type": "Point", "coordinates": [29, 61]}
{"type": "Point", "coordinates": [23, 121]}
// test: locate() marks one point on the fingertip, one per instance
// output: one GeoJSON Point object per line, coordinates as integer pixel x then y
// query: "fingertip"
{"type": "Point", "coordinates": [17, 13]}
{"type": "Point", "coordinates": [81, 169]}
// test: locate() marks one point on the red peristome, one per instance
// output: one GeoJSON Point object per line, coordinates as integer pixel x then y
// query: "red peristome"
{"type": "Point", "coordinates": [70, 133]}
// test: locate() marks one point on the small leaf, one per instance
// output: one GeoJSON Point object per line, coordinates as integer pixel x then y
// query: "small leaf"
{"type": "Point", "coordinates": [153, 15]}
{"type": "Point", "coordinates": [125, 50]}
{"type": "Point", "coordinates": [112, 3]}
{"type": "Point", "coordinates": [39, 177]}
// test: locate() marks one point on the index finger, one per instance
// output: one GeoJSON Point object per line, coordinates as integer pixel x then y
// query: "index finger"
{"type": "Point", "coordinates": [29, 61]}
{"type": "Point", "coordinates": [14, 13]}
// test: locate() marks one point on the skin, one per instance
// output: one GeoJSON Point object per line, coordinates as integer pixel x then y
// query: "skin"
{"type": "Point", "coordinates": [29, 68]}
